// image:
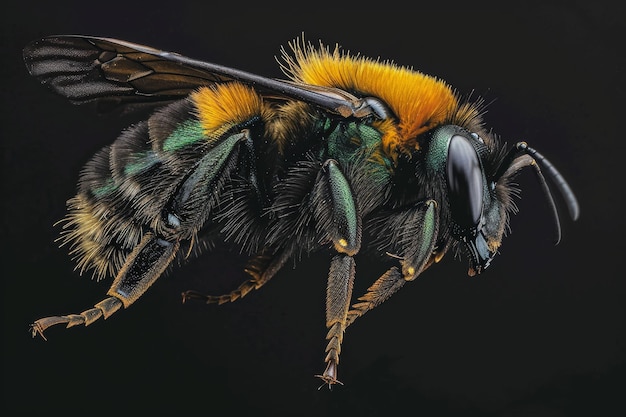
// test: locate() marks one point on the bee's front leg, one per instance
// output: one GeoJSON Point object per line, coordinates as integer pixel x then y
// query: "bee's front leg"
{"type": "Point", "coordinates": [416, 253]}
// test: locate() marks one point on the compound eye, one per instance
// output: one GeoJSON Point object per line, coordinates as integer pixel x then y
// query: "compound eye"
{"type": "Point", "coordinates": [465, 183]}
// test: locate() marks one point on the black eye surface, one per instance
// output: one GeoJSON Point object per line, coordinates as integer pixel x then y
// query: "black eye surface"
{"type": "Point", "coordinates": [465, 185]}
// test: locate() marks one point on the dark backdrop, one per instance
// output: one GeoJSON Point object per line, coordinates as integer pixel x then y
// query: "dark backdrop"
{"type": "Point", "coordinates": [542, 332]}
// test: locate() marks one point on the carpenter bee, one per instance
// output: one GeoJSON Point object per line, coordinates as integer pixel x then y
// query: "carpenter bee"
{"type": "Point", "coordinates": [347, 153]}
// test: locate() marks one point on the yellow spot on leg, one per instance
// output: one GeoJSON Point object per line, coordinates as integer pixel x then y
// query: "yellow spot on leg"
{"type": "Point", "coordinates": [439, 256]}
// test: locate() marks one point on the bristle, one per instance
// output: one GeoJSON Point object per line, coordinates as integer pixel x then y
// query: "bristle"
{"type": "Point", "coordinates": [131, 153]}
{"type": "Point", "coordinates": [163, 123]}
{"type": "Point", "coordinates": [90, 236]}
{"type": "Point", "coordinates": [95, 178]}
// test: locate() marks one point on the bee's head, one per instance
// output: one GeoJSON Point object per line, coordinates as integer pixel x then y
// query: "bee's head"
{"type": "Point", "coordinates": [476, 178]}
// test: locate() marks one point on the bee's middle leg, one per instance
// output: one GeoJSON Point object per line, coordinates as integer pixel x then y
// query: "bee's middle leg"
{"type": "Point", "coordinates": [338, 213]}
{"type": "Point", "coordinates": [261, 269]}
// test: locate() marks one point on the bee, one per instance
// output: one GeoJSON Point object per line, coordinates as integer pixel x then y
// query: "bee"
{"type": "Point", "coordinates": [346, 154]}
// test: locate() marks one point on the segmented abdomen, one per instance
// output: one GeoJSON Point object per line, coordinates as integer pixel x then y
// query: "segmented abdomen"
{"type": "Point", "coordinates": [124, 187]}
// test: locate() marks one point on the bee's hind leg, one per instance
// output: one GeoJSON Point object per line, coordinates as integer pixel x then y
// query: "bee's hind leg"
{"type": "Point", "coordinates": [142, 268]}
{"type": "Point", "coordinates": [103, 309]}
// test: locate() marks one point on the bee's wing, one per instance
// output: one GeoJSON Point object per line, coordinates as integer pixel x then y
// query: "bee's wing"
{"type": "Point", "coordinates": [113, 72]}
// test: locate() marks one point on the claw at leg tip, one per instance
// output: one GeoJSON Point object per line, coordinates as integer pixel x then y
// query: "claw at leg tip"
{"type": "Point", "coordinates": [35, 329]}
{"type": "Point", "coordinates": [329, 376]}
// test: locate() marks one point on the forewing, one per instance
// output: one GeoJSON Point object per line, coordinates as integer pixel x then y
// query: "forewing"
{"type": "Point", "coordinates": [113, 72]}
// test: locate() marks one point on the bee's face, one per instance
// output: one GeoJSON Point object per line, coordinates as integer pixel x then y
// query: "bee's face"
{"type": "Point", "coordinates": [477, 213]}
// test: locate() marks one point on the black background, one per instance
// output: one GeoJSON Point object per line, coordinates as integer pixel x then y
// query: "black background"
{"type": "Point", "coordinates": [541, 333]}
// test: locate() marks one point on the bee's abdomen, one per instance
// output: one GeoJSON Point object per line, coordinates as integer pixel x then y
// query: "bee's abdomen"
{"type": "Point", "coordinates": [124, 187]}
{"type": "Point", "coordinates": [102, 224]}
{"type": "Point", "coordinates": [165, 175]}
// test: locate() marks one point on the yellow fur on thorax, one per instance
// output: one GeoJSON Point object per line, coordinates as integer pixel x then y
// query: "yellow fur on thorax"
{"type": "Point", "coordinates": [226, 105]}
{"type": "Point", "coordinates": [419, 101]}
